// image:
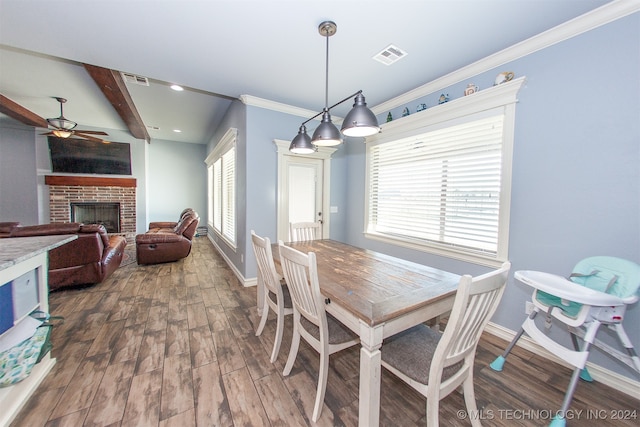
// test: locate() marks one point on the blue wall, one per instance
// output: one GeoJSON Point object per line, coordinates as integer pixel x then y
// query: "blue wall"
{"type": "Point", "coordinates": [177, 179]}
{"type": "Point", "coordinates": [576, 165]}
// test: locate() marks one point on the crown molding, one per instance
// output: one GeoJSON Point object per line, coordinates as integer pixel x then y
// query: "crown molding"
{"type": "Point", "coordinates": [603, 15]}
{"type": "Point", "coordinates": [254, 101]}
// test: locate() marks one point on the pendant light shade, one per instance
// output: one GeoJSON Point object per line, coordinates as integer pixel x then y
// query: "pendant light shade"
{"type": "Point", "coordinates": [301, 144]}
{"type": "Point", "coordinates": [326, 134]}
{"type": "Point", "coordinates": [360, 121]}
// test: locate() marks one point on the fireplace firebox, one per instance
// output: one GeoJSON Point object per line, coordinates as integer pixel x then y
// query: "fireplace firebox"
{"type": "Point", "coordinates": [107, 214]}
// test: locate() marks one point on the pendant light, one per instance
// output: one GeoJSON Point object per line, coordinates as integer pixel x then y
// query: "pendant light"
{"type": "Point", "coordinates": [360, 121]}
{"type": "Point", "coordinates": [301, 144]}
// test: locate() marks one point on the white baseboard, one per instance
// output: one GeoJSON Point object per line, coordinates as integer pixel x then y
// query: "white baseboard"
{"type": "Point", "coordinates": [598, 373]}
{"type": "Point", "coordinates": [245, 282]}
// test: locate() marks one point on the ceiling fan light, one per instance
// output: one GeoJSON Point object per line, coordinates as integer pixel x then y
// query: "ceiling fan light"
{"type": "Point", "coordinates": [62, 123]}
{"type": "Point", "coordinates": [326, 134]}
{"type": "Point", "coordinates": [61, 133]}
{"type": "Point", "coordinates": [301, 144]}
{"type": "Point", "coordinates": [360, 121]}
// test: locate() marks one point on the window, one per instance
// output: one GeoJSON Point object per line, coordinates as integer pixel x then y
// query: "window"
{"type": "Point", "coordinates": [439, 181]}
{"type": "Point", "coordinates": [221, 168]}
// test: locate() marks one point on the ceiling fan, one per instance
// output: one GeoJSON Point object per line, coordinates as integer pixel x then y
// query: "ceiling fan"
{"type": "Point", "coordinates": [64, 128]}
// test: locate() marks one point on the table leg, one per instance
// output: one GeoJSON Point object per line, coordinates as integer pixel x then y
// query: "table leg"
{"type": "Point", "coordinates": [370, 375]}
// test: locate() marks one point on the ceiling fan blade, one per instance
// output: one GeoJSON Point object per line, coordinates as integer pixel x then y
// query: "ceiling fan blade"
{"type": "Point", "coordinates": [90, 138]}
{"type": "Point", "coordinates": [91, 132]}
{"type": "Point", "coordinates": [47, 133]}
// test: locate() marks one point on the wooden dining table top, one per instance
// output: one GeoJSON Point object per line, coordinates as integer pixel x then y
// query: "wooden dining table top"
{"type": "Point", "coordinates": [372, 286]}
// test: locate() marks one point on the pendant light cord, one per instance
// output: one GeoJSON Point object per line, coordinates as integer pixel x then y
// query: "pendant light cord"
{"type": "Point", "coordinates": [326, 84]}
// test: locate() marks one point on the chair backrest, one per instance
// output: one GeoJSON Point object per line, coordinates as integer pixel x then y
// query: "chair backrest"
{"type": "Point", "coordinates": [266, 267]}
{"type": "Point", "coordinates": [302, 231]}
{"type": "Point", "coordinates": [301, 273]}
{"type": "Point", "coordinates": [477, 298]}
{"type": "Point", "coordinates": [611, 275]}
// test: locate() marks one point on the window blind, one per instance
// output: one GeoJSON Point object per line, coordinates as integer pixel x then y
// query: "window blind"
{"type": "Point", "coordinates": [441, 186]}
{"type": "Point", "coordinates": [217, 191]}
{"type": "Point", "coordinates": [229, 194]}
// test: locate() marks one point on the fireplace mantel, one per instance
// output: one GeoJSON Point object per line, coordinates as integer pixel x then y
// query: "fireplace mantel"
{"type": "Point", "coordinates": [89, 181]}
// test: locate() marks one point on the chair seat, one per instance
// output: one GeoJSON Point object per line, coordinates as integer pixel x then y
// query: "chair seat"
{"type": "Point", "coordinates": [411, 353]}
{"type": "Point", "coordinates": [285, 293]}
{"type": "Point", "coordinates": [338, 333]}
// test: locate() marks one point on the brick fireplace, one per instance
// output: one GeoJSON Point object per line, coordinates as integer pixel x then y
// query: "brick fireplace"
{"type": "Point", "coordinates": [65, 190]}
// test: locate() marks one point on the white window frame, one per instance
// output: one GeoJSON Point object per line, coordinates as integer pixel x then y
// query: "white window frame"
{"type": "Point", "coordinates": [496, 100]}
{"type": "Point", "coordinates": [221, 188]}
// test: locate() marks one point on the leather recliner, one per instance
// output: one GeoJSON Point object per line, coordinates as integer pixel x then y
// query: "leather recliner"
{"type": "Point", "coordinates": [167, 241]}
{"type": "Point", "coordinates": [89, 259]}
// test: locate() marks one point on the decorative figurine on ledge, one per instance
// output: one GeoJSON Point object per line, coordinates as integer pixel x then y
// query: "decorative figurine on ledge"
{"type": "Point", "coordinates": [505, 76]}
{"type": "Point", "coordinates": [389, 117]}
{"type": "Point", "coordinates": [421, 107]}
{"type": "Point", "coordinates": [405, 112]}
{"type": "Point", "coordinates": [443, 98]}
{"type": "Point", "coordinates": [471, 88]}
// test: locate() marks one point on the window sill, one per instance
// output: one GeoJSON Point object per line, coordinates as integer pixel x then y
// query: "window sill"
{"type": "Point", "coordinates": [488, 260]}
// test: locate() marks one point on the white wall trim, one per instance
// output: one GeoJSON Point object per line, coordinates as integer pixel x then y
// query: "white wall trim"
{"type": "Point", "coordinates": [254, 101]}
{"type": "Point", "coordinates": [598, 373]}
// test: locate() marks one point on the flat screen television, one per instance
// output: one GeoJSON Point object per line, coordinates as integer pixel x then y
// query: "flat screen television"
{"type": "Point", "coordinates": [72, 155]}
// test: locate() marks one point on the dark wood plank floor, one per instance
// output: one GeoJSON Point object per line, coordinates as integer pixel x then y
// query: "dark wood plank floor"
{"type": "Point", "coordinates": [174, 344]}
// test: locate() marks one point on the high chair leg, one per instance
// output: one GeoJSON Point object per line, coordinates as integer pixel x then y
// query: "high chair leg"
{"type": "Point", "coordinates": [498, 363]}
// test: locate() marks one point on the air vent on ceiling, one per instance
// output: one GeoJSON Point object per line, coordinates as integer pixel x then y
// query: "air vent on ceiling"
{"type": "Point", "coordinates": [136, 80]}
{"type": "Point", "coordinates": [390, 54]}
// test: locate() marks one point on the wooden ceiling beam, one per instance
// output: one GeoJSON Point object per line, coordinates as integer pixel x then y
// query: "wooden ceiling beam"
{"type": "Point", "coordinates": [21, 114]}
{"type": "Point", "coordinates": [113, 87]}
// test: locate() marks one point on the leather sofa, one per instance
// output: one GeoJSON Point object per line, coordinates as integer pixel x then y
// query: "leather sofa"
{"type": "Point", "coordinates": [89, 259]}
{"type": "Point", "coordinates": [167, 241]}
{"type": "Point", "coordinates": [7, 227]}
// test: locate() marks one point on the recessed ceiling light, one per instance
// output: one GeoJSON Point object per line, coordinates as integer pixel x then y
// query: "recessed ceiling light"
{"type": "Point", "coordinates": [177, 130]}
{"type": "Point", "coordinates": [177, 88]}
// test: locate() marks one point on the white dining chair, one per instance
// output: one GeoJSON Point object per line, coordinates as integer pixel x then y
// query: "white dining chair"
{"type": "Point", "coordinates": [276, 294]}
{"type": "Point", "coordinates": [435, 363]}
{"type": "Point", "coordinates": [303, 231]}
{"type": "Point", "coordinates": [310, 320]}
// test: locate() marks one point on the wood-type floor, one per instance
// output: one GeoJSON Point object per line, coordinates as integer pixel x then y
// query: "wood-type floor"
{"type": "Point", "coordinates": [175, 345]}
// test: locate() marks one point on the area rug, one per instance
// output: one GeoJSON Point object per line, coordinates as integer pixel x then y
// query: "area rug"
{"type": "Point", "coordinates": [129, 257]}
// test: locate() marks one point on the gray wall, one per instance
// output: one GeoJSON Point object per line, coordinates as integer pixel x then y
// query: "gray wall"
{"type": "Point", "coordinates": [576, 179]}
{"type": "Point", "coordinates": [18, 183]}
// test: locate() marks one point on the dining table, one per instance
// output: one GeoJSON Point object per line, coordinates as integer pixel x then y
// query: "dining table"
{"type": "Point", "coordinates": [376, 296]}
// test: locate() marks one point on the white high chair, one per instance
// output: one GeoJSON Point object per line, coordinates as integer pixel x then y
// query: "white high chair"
{"type": "Point", "coordinates": [598, 292]}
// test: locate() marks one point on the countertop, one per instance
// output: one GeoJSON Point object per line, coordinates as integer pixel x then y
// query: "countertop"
{"type": "Point", "coordinates": [17, 249]}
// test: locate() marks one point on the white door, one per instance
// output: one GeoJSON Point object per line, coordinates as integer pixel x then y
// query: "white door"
{"type": "Point", "coordinates": [303, 188]}
{"type": "Point", "coordinates": [304, 192]}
